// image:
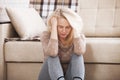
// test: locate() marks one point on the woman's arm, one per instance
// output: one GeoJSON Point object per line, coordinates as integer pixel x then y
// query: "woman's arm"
{"type": "Point", "coordinates": [50, 40]}
{"type": "Point", "coordinates": [79, 43]}
{"type": "Point", "coordinates": [54, 28]}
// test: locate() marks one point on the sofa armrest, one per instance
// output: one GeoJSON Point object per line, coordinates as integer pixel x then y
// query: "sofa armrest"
{"type": "Point", "coordinates": [7, 31]}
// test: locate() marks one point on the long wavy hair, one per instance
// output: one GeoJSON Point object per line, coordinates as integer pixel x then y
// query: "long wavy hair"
{"type": "Point", "coordinates": [58, 14]}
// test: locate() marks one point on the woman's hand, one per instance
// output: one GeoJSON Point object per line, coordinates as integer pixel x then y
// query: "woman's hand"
{"type": "Point", "coordinates": [53, 21]}
{"type": "Point", "coordinates": [76, 33]}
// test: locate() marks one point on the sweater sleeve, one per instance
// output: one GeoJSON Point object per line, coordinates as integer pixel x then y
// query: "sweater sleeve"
{"type": "Point", "coordinates": [50, 46]}
{"type": "Point", "coordinates": [80, 45]}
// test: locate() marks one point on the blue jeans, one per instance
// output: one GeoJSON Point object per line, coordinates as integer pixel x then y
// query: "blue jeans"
{"type": "Point", "coordinates": [52, 69]}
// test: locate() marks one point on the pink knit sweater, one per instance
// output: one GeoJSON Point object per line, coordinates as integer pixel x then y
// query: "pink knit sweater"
{"type": "Point", "coordinates": [64, 52]}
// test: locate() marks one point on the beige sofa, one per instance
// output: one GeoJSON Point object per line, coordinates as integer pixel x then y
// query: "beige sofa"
{"type": "Point", "coordinates": [22, 60]}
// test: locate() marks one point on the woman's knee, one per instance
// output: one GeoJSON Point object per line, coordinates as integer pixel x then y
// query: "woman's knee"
{"type": "Point", "coordinates": [53, 59]}
{"type": "Point", "coordinates": [77, 58]}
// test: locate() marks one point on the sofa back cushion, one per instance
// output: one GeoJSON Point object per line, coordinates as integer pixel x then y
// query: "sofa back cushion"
{"type": "Point", "coordinates": [100, 17]}
{"type": "Point", "coordinates": [26, 21]}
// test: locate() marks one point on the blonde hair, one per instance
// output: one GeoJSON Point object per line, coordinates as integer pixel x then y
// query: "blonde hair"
{"type": "Point", "coordinates": [69, 38]}
{"type": "Point", "coordinates": [58, 14]}
{"type": "Point", "coordinates": [73, 18]}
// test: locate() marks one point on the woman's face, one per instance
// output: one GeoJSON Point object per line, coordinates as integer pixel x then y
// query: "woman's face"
{"type": "Point", "coordinates": [63, 28]}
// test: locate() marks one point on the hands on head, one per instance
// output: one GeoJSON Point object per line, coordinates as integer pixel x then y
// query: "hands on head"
{"type": "Point", "coordinates": [53, 21]}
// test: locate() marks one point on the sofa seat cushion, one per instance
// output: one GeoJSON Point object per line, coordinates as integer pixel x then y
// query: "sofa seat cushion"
{"type": "Point", "coordinates": [99, 50]}
{"type": "Point", "coordinates": [23, 51]}
{"type": "Point", "coordinates": [103, 50]}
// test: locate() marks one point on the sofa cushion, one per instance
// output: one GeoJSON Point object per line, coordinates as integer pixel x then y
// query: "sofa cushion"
{"type": "Point", "coordinates": [24, 51]}
{"type": "Point", "coordinates": [102, 50]}
{"type": "Point", "coordinates": [26, 21]}
{"type": "Point", "coordinates": [99, 50]}
{"type": "Point", "coordinates": [100, 17]}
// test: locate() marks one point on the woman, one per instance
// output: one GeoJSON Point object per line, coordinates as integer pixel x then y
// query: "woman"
{"type": "Point", "coordinates": [63, 44]}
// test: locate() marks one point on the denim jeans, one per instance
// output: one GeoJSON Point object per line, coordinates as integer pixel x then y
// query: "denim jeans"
{"type": "Point", "coordinates": [52, 69]}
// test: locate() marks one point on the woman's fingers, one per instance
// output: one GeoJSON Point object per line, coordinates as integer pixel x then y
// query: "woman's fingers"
{"type": "Point", "coordinates": [53, 21]}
